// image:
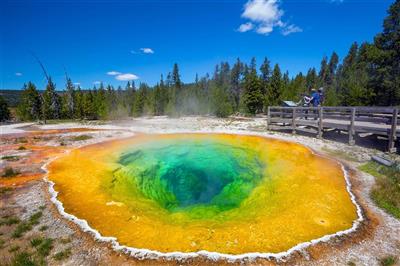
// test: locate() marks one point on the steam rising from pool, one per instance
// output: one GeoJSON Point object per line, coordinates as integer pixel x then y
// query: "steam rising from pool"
{"type": "Point", "coordinates": [222, 193]}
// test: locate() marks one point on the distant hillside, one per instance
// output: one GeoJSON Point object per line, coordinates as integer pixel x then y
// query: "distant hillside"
{"type": "Point", "coordinates": [12, 96]}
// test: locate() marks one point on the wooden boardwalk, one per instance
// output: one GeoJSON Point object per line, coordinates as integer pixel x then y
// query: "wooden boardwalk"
{"type": "Point", "coordinates": [380, 121]}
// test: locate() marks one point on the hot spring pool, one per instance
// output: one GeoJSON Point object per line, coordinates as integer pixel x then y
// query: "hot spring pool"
{"type": "Point", "coordinates": [222, 193]}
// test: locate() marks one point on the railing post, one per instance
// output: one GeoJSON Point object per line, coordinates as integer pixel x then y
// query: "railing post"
{"type": "Point", "coordinates": [294, 120]}
{"type": "Point", "coordinates": [320, 125]}
{"type": "Point", "coordinates": [393, 131]}
{"type": "Point", "coordinates": [268, 117]}
{"type": "Point", "coordinates": [351, 126]}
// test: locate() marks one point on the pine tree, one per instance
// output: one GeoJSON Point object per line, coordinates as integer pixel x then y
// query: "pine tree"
{"type": "Point", "coordinates": [78, 107]}
{"type": "Point", "coordinates": [354, 90]}
{"type": "Point", "coordinates": [100, 103]}
{"type": "Point", "coordinates": [221, 103]}
{"type": "Point", "coordinates": [253, 96]}
{"type": "Point", "coordinates": [140, 101]}
{"type": "Point", "coordinates": [51, 106]}
{"type": "Point", "coordinates": [323, 72]}
{"type": "Point", "coordinates": [265, 75]}
{"type": "Point", "coordinates": [235, 84]}
{"type": "Point", "coordinates": [311, 79]}
{"type": "Point", "coordinates": [70, 98]}
{"type": "Point", "coordinates": [385, 58]}
{"type": "Point", "coordinates": [332, 66]}
{"type": "Point", "coordinates": [276, 89]}
{"type": "Point", "coordinates": [4, 111]}
{"type": "Point", "coordinates": [297, 86]}
{"type": "Point", "coordinates": [30, 106]}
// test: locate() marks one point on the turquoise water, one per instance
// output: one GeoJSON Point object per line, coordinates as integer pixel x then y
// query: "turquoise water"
{"type": "Point", "coordinates": [197, 173]}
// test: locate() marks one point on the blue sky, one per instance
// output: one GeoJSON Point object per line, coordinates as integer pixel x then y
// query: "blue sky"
{"type": "Point", "coordinates": [114, 41]}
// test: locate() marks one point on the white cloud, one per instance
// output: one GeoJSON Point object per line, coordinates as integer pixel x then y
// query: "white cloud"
{"type": "Point", "coordinates": [126, 77]}
{"type": "Point", "coordinates": [18, 74]}
{"type": "Point", "coordinates": [291, 29]}
{"type": "Point", "coordinates": [77, 83]}
{"type": "Point", "coordinates": [336, 1]}
{"type": "Point", "coordinates": [113, 73]}
{"type": "Point", "coordinates": [264, 16]}
{"type": "Point", "coordinates": [245, 27]}
{"type": "Point", "coordinates": [265, 29]}
{"type": "Point", "coordinates": [264, 11]}
{"type": "Point", "coordinates": [147, 50]}
{"type": "Point", "coordinates": [97, 82]}
{"type": "Point", "coordinates": [133, 52]}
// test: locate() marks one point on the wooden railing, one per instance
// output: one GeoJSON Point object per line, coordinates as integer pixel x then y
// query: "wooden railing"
{"type": "Point", "coordinates": [381, 121]}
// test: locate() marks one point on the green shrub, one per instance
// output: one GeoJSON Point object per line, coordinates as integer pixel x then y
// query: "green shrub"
{"type": "Point", "coordinates": [13, 249]}
{"type": "Point", "coordinates": [43, 228]}
{"type": "Point", "coordinates": [45, 247]}
{"type": "Point", "coordinates": [9, 221]}
{"type": "Point", "coordinates": [62, 255]}
{"type": "Point", "coordinates": [21, 229]}
{"type": "Point", "coordinates": [388, 261]}
{"type": "Point", "coordinates": [11, 158]}
{"type": "Point", "coordinates": [10, 172]}
{"type": "Point", "coordinates": [36, 241]}
{"type": "Point", "coordinates": [81, 138]}
{"type": "Point", "coordinates": [23, 259]}
{"type": "Point", "coordinates": [34, 219]}
{"type": "Point", "coordinates": [4, 190]}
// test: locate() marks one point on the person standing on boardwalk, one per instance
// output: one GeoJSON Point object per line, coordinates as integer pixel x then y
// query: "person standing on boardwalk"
{"type": "Point", "coordinates": [315, 98]}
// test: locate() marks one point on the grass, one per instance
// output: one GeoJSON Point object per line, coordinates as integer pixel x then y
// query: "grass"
{"type": "Point", "coordinates": [21, 148]}
{"type": "Point", "coordinates": [45, 247]}
{"type": "Point", "coordinates": [21, 229]}
{"type": "Point", "coordinates": [26, 226]}
{"type": "Point", "coordinates": [9, 221]}
{"type": "Point", "coordinates": [23, 259]}
{"type": "Point", "coordinates": [388, 261]}
{"type": "Point", "coordinates": [386, 192]}
{"type": "Point", "coordinates": [10, 172]}
{"type": "Point", "coordinates": [62, 255]}
{"type": "Point", "coordinates": [34, 219]}
{"type": "Point", "coordinates": [36, 241]}
{"type": "Point", "coordinates": [65, 240]}
{"type": "Point", "coordinates": [21, 140]}
{"type": "Point", "coordinates": [5, 190]}
{"type": "Point", "coordinates": [62, 143]}
{"type": "Point", "coordinates": [81, 138]}
{"type": "Point", "coordinates": [43, 228]}
{"type": "Point", "coordinates": [2, 242]}
{"type": "Point", "coordinates": [11, 158]}
{"type": "Point", "coordinates": [13, 248]}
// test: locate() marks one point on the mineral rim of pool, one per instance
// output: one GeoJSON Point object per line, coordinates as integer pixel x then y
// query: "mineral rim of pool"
{"type": "Point", "coordinates": [223, 193]}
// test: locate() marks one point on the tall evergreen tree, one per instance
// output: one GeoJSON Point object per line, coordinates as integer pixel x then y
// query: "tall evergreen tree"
{"type": "Point", "coordinates": [51, 107]}
{"type": "Point", "coordinates": [323, 72]}
{"type": "Point", "coordinates": [235, 84]}
{"type": "Point", "coordinates": [311, 79]}
{"type": "Point", "coordinates": [4, 111]}
{"type": "Point", "coordinates": [386, 59]}
{"type": "Point", "coordinates": [276, 88]}
{"type": "Point", "coordinates": [253, 96]}
{"type": "Point", "coordinates": [30, 106]}
{"type": "Point", "coordinates": [70, 98]}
